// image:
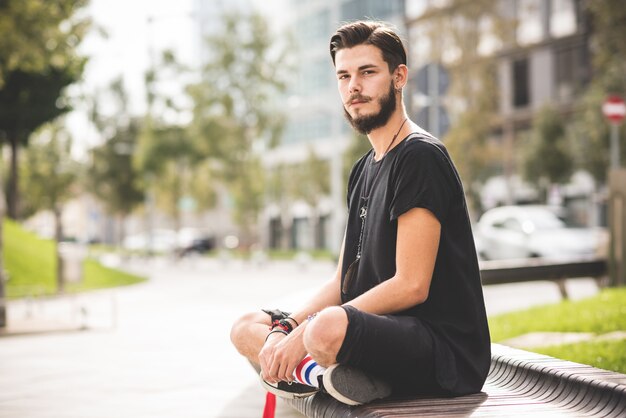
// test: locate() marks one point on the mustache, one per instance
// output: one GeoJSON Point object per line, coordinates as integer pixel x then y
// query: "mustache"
{"type": "Point", "coordinates": [359, 97]}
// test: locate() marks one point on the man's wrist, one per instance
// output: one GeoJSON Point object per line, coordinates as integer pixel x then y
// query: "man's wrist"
{"type": "Point", "coordinates": [292, 321]}
{"type": "Point", "coordinates": [276, 331]}
{"type": "Point", "coordinates": [284, 324]}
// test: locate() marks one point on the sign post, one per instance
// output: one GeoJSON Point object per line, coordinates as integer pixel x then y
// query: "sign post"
{"type": "Point", "coordinates": [614, 110]}
{"type": "Point", "coordinates": [432, 81]}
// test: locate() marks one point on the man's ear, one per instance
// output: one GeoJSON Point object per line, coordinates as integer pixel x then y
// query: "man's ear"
{"type": "Point", "coordinates": [400, 76]}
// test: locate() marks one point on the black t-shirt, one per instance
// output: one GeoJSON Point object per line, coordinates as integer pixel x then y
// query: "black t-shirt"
{"type": "Point", "coordinates": [418, 172]}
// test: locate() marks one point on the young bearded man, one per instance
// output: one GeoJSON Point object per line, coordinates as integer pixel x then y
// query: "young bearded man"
{"type": "Point", "coordinates": [404, 313]}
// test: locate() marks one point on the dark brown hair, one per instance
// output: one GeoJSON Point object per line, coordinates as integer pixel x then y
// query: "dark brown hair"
{"type": "Point", "coordinates": [370, 33]}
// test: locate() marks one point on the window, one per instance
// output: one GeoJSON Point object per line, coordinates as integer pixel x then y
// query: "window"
{"type": "Point", "coordinates": [301, 234]}
{"type": "Point", "coordinates": [521, 83]}
{"type": "Point", "coordinates": [314, 77]}
{"type": "Point", "coordinates": [512, 224]}
{"type": "Point", "coordinates": [322, 234]}
{"type": "Point", "coordinates": [572, 70]}
{"type": "Point", "coordinates": [563, 18]}
{"type": "Point", "coordinates": [276, 231]}
{"type": "Point", "coordinates": [529, 27]}
{"type": "Point", "coordinates": [305, 130]}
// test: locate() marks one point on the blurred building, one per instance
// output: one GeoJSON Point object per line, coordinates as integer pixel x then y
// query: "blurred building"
{"type": "Point", "coordinates": [549, 63]}
{"type": "Point", "coordinates": [207, 15]}
{"type": "Point", "coordinates": [315, 123]}
{"type": "Point", "coordinates": [547, 60]}
{"type": "Point", "coordinates": [544, 59]}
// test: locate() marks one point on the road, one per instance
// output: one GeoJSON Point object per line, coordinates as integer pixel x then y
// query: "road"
{"type": "Point", "coordinates": [161, 348]}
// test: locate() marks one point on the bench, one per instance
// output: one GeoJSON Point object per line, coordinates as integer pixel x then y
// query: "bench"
{"type": "Point", "coordinates": [519, 383]}
{"type": "Point", "coordinates": [557, 271]}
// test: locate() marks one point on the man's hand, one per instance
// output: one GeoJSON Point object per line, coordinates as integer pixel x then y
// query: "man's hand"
{"type": "Point", "coordinates": [280, 356]}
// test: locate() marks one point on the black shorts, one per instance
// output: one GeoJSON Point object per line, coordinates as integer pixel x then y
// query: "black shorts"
{"type": "Point", "coordinates": [398, 349]}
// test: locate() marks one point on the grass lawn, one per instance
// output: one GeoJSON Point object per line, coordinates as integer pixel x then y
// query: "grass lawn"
{"type": "Point", "coordinates": [600, 314]}
{"type": "Point", "coordinates": [608, 355]}
{"type": "Point", "coordinates": [30, 262]}
{"type": "Point", "coordinates": [97, 276]}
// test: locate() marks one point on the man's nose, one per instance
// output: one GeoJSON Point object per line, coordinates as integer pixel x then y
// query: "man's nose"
{"type": "Point", "coordinates": [355, 85]}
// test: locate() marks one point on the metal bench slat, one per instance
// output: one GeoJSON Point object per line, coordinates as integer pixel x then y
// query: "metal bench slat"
{"type": "Point", "coordinates": [519, 383]}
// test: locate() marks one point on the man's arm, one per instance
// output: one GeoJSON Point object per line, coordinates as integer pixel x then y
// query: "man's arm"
{"type": "Point", "coordinates": [281, 354]}
{"type": "Point", "coordinates": [416, 251]}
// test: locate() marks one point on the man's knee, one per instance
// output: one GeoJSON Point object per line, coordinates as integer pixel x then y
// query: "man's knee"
{"type": "Point", "coordinates": [239, 332]}
{"type": "Point", "coordinates": [325, 334]}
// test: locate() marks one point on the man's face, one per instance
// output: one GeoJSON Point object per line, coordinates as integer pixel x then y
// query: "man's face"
{"type": "Point", "coordinates": [366, 87]}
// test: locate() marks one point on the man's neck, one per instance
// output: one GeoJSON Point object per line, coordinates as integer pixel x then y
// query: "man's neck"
{"type": "Point", "coordinates": [380, 138]}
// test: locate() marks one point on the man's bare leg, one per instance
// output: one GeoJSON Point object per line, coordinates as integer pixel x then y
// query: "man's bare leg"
{"type": "Point", "coordinates": [323, 339]}
{"type": "Point", "coordinates": [325, 334]}
{"type": "Point", "coordinates": [248, 335]}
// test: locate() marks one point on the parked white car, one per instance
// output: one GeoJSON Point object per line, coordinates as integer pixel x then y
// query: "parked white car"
{"type": "Point", "coordinates": [509, 232]}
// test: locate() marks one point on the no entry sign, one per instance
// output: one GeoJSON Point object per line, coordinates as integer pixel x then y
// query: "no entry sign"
{"type": "Point", "coordinates": [614, 109]}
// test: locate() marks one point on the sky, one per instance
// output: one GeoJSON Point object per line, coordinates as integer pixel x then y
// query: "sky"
{"type": "Point", "coordinates": [133, 29]}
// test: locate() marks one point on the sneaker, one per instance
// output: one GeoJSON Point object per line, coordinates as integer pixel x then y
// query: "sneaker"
{"type": "Point", "coordinates": [291, 390]}
{"type": "Point", "coordinates": [352, 386]}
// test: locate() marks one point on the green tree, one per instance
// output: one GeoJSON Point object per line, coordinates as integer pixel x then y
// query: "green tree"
{"type": "Point", "coordinates": [38, 36]}
{"type": "Point", "coordinates": [166, 155]}
{"type": "Point", "coordinates": [312, 183]}
{"type": "Point", "coordinates": [459, 31]}
{"type": "Point", "coordinates": [280, 188]}
{"type": "Point", "coordinates": [359, 145]}
{"type": "Point", "coordinates": [609, 49]}
{"type": "Point", "coordinates": [609, 67]}
{"type": "Point", "coordinates": [38, 59]}
{"type": "Point", "coordinates": [111, 176]}
{"type": "Point", "coordinates": [3, 311]}
{"type": "Point", "coordinates": [308, 181]}
{"type": "Point", "coordinates": [547, 158]}
{"type": "Point", "coordinates": [232, 113]}
{"type": "Point", "coordinates": [27, 101]}
{"type": "Point", "coordinates": [248, 197]}
{"type": "Point", "coordinates": [50, 176]}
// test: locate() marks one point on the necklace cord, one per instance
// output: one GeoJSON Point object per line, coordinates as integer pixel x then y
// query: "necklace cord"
{"type": "Point", "coordinates": [363, 210]}
{"type": "Point", "coordinates": [365, 188]}
{"type": "Point", "coordinates": [393, 139]}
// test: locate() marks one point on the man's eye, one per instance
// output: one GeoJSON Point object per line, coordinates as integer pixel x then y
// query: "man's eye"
{"type": "Point", "coordinates": [343, 76]}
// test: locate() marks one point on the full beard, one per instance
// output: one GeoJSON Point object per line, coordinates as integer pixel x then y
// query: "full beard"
{"type": "Point", "coordinates": [367, 123]}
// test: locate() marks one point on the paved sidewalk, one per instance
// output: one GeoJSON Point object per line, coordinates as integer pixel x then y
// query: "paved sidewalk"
{"type": "Point", "coordinates": [169, 354]}
{"type": "Point", "coordinates": [162, 349]}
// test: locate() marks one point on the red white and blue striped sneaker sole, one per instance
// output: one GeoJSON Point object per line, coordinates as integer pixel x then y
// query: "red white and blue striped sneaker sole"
{"type": "Point", "coordinates": [352, 386]}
